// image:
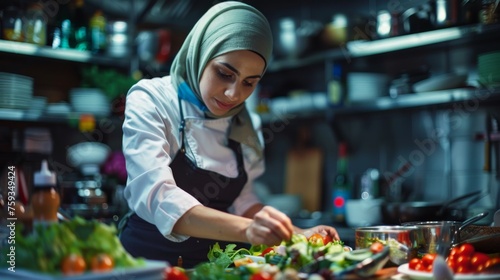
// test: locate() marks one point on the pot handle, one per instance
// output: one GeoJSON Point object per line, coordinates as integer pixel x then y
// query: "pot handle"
{"type": "Point", "coordinates": [471, 195]}
{"type": "Point", "coordinates": [472, 220]}
{"type": "Point", "coordinates": [456, 236]}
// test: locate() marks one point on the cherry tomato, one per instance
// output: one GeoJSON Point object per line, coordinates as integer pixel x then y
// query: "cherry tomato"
{"type": "Point", "coordinates": [175, 273]}
{"type": "Point", "coordinates": [466, 250]}
{"type": "Point", "coordinates": [327, 239]}
{"type": "Point", "coordinates": [267, 251]}
{"type": "Point", "coordinates": [262, 275]}
{"type": "Point", "coordinates": [464, 261]}
{"type": "Point", "coordinates": [479, 259]}
{"type": "Point", "coordinates": [420, 267]}
{"type": "Point", "coordinates": [452, 264]}
{"type": "Point", "coordinates": [73, 264]}
{"type": "Point", "coordinates": [491, 262]}
{"type": "Point", "coordinates": [463, 269]}
{"type": "Point", "coordinates": [428, 259]}
{"type": "Point", "coordinates": [453, 254]}
{"type": "Point", "coordinates": [101, 262]}
{"type": "Point", "coordinates": [413, 263]}
{"type": "Point", "coordinates": [376, 247]}
{"type": "Point", "coordinates": [316, 239]}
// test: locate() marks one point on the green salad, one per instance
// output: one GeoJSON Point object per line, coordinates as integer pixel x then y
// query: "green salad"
{"type": "Point", "coordinates": [78, 244]}
{"type": "Point", "coordinates": [300, 255]}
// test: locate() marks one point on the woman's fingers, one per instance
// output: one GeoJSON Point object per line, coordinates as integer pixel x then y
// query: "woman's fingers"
{"type": "Point", "coordinates": [271, 226]}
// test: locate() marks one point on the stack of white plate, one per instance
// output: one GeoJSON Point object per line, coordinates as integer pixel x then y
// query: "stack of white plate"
{"type": "Point", "coordinates": [37, 107]}
{"type": "Point", "coordinates": [89, 101]}
{"type": "Point", "coordinates": [363, 86]}
{"type": "Point", "coordinates": [16, 91]}
{"type": "Point", "coordinates": [488, 68]}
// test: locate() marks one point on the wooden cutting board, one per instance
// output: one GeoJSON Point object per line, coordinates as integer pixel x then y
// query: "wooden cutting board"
{"type": "Point", "coordinates": [303, 176]}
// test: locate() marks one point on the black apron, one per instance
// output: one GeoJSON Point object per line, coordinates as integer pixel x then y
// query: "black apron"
{"type": "Point", "coordinates": [143, 239]}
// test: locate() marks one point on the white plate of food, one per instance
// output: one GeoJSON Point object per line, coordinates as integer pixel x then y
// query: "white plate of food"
{"type": "Point", "coordinates": [420, 275]}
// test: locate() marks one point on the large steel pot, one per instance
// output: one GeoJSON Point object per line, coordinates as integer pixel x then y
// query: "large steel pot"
{"type": "Point", "coordinates": [398, 238]}
{"type": "Point", "coordinates": [426, 234]}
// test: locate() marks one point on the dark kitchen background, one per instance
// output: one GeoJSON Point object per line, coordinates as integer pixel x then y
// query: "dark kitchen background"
{"type": "Point", "coordinates": [408, 91]}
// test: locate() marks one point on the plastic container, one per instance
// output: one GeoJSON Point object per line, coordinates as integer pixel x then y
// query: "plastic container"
{"type": "Point", "coordinates": [45, 201]}
{"type": "Point", "coordinates": [97, 26]}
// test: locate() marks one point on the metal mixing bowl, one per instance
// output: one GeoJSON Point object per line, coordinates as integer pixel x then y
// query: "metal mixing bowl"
{"type": "Point", "coordinates": [400, 239]}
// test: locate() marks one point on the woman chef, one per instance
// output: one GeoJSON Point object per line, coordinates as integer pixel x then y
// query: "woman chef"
{"type": "Point", "coordinates": [193, 150]}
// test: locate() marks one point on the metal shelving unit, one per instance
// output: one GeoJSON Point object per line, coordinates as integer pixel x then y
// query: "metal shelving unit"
{"type": "Point", "coordinates": [356, 49]}
{"type": "Point", "coordinates": [386, 103]}
{"type": "Point", "coordinates": [71, 55]}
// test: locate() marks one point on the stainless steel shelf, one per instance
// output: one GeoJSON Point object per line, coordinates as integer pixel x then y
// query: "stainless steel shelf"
{"type": "Point", "coordinates": [356, 49]}
{"type": "Point", "coordinates": [414, 100]}
{"type": "Point", "coordinates": [407, 101]}
{"type": "Point", "coordinates": [21, 48]}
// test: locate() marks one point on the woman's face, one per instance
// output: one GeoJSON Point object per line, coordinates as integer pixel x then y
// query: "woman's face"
{"type": "Point", "coordinates": [229, 79]}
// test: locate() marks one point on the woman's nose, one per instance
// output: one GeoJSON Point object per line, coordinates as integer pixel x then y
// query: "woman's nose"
{"type": "Point", "coordinates": [232, 93]}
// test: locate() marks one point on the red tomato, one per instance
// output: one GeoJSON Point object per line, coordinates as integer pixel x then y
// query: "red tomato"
{"type": "Point", "coordinates": [453, 253]}
{"type": "Point", "coordinates": [174, 273]}
{"type": "Point", "coordinates": [452, 264]}
{"type": "Point", "coordinates": [316, 239]}
{"type": "Point", "coordinates": [327, 239]}
{"type": "Point", "coordinates": [73, 264]}
{"type": "Point", "coordinates": [267, 251]}
{"type": "Point", "coordinates": [463, 269]}
{"type": "Point", "coordinates": [420, 267]}
{"type": "Point", "coordinates": [414, 262]}
{"type": "Point", "coordinates": [491, 262]}
{"type": "Point", "coordinates": [261, 276]}
{"type": "Point", "coordinates": [464, 261]}
{"type": "Point", "coordinates": [376, 247]}
{"type": "Point", "coordinates": [101, 262]}
{"type": "Point", "coordinates": [466, 250]}
{"type": "Point", "coordinates": [428, 259]}
{"type": "Point", "coordinates": [479, 259]}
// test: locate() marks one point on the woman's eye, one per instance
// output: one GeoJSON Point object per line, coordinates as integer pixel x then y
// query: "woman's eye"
{"type": "Point", "coordinates": [247, 83]}
{"type": "Point", "coordinates": [224, 75]}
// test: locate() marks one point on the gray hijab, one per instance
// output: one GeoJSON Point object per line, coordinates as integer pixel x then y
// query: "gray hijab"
{"type": "Point", "coordinates": [225, 27]}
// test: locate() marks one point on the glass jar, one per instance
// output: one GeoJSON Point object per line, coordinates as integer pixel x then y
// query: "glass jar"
{"type": "Point", "coordinates": [36, 25]}
{"type": "Point", "coordinates": [13, 24]}
{"type": "Point", "coordinates": [489, 12]}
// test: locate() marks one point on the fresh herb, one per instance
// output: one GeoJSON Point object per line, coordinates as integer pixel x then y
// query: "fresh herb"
{"type": "Point", "coordinates": [224, 258]}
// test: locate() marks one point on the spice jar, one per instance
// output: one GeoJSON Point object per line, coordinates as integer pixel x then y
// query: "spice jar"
{"type": "Point", "coordinates": [13, 24]}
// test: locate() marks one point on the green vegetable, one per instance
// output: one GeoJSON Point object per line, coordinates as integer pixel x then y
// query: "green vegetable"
{"type": "Point", "coordinates": [110, 81]}
{"type": "Point", "coordinates": [44, 248]}
{"type": "Point", "coordinates": [224, 258]}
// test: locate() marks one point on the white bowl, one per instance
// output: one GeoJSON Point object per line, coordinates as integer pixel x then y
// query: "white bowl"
{"type": "Point", "coordinates": [87, 156]}
{"type": "Point", "coordinates": [363, 212]}
{"type": "Point", "coordinates": [90, 101]}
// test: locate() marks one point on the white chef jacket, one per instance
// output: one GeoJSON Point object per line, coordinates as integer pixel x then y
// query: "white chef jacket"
{"type": "Point", "coordinates": [151, 139]}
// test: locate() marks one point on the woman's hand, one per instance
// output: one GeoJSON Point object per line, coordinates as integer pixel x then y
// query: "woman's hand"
{"type": "Point", "coordinates": [269, 227]}
{"type": "Point", "coordinates": [321, 229]}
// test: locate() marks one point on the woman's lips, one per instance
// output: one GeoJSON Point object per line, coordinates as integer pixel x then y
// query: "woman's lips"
{"type": "Point", "coordinates": [224, 106]}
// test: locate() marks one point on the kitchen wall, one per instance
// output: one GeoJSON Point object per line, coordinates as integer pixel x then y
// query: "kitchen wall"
{"type": "Point", "coordinates": [444, 167]}
{"type": "Point", "coordinates": [445, 144]}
